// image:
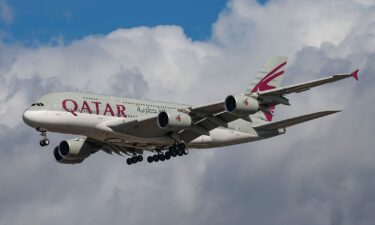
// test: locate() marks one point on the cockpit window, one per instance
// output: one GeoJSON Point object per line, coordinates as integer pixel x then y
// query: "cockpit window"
{"type": "Point", "coordinates": [37, 104]}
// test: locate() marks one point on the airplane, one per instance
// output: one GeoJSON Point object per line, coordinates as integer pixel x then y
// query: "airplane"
{"type": "Point", "coordinates": [130, 127]}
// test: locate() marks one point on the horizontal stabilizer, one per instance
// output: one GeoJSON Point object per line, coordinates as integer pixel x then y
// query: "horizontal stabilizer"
{"type": "Point", "coordinates": [294, 121]}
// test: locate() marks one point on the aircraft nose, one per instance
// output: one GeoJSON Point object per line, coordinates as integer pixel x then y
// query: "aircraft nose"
{"type": "Point", "coordinates": [30, 117]}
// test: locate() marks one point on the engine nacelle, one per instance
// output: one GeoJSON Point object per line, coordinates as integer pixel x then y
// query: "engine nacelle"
{"type": "Point", "coordinates": [72, 151]}
{"type": "Point", "coordinates": [173, 120]}
{"type": "Point", "coordinates": [241, 105]}
{"type": "Point", "coordinates": [59, 158]}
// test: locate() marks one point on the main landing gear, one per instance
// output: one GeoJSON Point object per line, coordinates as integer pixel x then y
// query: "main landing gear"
{"type": "Point", "coordinates": [134, 159]}
{"type": "Point", "coordinates": [178, 149]}
{"type": "Point", "coordinates": [43, 133]}
{"type": "Point", "coordinates": [173, 151]}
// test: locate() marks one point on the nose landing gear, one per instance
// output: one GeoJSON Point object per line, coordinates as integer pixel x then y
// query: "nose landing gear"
{"type": "Point", "coordinates": [43, 133]}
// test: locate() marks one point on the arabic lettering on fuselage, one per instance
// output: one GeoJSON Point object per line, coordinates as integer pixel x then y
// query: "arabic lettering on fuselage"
{"type": "Point", "coordinates": [73, 107]}
{"type": "Point", "coordinates": [147, 109]}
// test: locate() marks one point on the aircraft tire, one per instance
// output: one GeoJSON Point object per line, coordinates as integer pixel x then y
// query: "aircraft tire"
{"type": "Point", "coordinates": [134, 159]}
{"type": "Point", "coordinates": [167, 155]}
{"type": "Point", "coordinates": [181, 146]}
{"type": "Point", "coordinates": [155, 158]}
{"type": "Point", "coordinates": [150, 159]}
{"type": "Point", "coordinates": [140, 158]}
{"type": "Point", "coordinates": [129, 161]}
{"type": "Point", "coordinates": [44, 142]}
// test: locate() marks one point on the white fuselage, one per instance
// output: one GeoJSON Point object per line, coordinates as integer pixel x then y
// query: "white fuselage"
{"type": "Point", "coordinates": [90, 118]}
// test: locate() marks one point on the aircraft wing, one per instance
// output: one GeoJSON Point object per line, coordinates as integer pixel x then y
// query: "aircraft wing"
{"type": "Point", "coordinates": [111, 148]}
{"type": "Point", "coordinates": [204, 118]}
{"type": "Point", "coordinates": [293, 121]}
{"type": "Point", "coordinates": [275, 96]}
{"type": "Point", "coordinates": [210, 116]}
{"type": "Point", "coordinates": [146, 127]}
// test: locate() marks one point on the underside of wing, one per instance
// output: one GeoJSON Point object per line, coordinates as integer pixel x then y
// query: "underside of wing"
{"type": "Point", "coordinates": [293, 121]}
{"type": "Point", "coordinates": [206, 118]}
{"type": "Point", "coordinates": [111, 148]}
{"type": "Point", "coordinates": [146, 127]}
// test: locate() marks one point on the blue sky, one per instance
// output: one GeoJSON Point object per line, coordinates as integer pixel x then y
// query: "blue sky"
{"type": "Point", "coordinates": [41, 20]}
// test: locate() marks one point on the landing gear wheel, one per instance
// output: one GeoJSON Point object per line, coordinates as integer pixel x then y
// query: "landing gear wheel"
{"type": "Point", "coordinates": [129, 161]}
{"type": "Point", "coordinates": [161, 157]}
{"type": "Point", "coordinates": [150, 159]}
{"type": "Point", "coordinates": [140, 158]}
{"type": "Point", "coordinates": [44, 142]}
{"type": "Point", "coordinates": [134, 159]}
{"type": "Point", "coordinates": [180, 152]}
{"type": "Point", "coordinates": [155, 158]}
{"type": "Point", "coordinates": [181, 146]}
{"type": "Point", "coordinates": [174, 153]}
{"type": "Point", "coordinates": [43, 133]}
{"type": "Point", "coordinates": [167, 155]}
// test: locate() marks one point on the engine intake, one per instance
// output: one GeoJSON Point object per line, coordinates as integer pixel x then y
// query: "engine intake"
{"type": "Point", "coordinates": [173, 120]}
{"type": "Point", "coordinates": [59, 158]}
{"type": "Point", "coordinates": [241, 105]}
{"type": "Point", "coordinates": [72, 151]}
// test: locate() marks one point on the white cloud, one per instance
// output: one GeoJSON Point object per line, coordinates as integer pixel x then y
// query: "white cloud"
{"type": "Point", "coordinates": [317, 173]}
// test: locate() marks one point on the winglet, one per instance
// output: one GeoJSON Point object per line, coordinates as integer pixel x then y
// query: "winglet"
{"type": "Point", "coordinates": [355, 74]}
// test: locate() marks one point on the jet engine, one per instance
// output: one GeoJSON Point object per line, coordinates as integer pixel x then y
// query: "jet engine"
{"type": "Point", "coordinates": [173, 120]}
{"type": "Point", "coordinates": [241, 105]}
{"type": "Point", "coordinates": [72, 151]}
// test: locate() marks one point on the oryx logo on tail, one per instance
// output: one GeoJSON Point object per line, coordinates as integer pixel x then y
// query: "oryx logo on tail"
{"type": "Point", "coordinates": [263, 84]}
{"type": "Point", "coordinates": [269, 77]}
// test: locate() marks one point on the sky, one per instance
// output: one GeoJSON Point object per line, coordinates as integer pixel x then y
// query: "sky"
{"type": "Point", "coordinates": [41, 20]}
{"type": "Point", "coordinates": [321, 172]}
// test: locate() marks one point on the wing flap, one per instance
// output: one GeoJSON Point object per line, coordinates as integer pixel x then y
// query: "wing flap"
{"type": "Point", "coordinates": [294, 121]}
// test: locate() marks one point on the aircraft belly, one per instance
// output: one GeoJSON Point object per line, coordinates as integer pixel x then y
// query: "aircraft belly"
{"type": "Point", "coordinates": [222, 137]}
{"type": "Point", "coordinates": [94, 126]}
